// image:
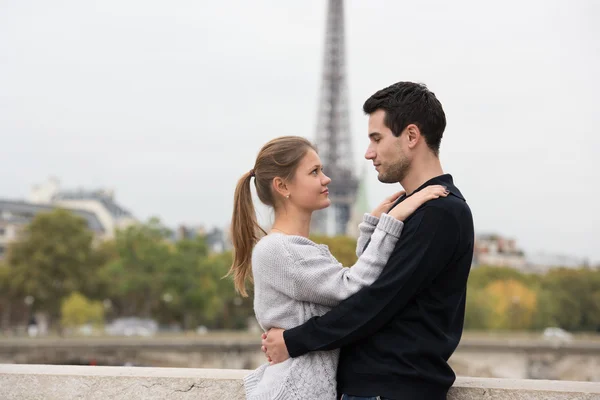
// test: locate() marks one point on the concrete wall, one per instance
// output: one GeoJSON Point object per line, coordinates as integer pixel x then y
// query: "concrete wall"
{"type": "Point", "coordinates": [514, 359]}
{"type": "Point", "coordinates": [53, 382]}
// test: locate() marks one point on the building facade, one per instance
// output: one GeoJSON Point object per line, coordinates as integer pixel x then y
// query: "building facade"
{"type": "Point", "coordinates": [98, 208]}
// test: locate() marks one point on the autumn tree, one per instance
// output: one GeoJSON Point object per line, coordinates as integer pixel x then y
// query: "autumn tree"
{"type": "Point", "coordinates": [513, 305]}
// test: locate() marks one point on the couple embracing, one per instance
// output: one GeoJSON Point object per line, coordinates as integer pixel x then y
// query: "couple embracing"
{"type": "Point", "coordinates": [386, 327]}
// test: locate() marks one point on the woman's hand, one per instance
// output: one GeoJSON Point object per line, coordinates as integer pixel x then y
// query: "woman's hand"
{"type": "Point", "coordinates": [408, 206]}
{"type": "Point", "coordinates": [386, 204]}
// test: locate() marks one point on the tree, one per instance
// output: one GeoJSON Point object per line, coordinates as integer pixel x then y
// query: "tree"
{"type": "Point", "coordinates": [544, 316]}
{"type": "Point", "coordinates": [575, 302]}
{"type": "Point", "coordinates": [343, 248]}
{"type": "Point", "coordinates": [6, 296]}
{"type": "Point", "coordinates": [482, 276]}
{"type": "Point", "coordinates": [478, 310]}
{"type": "Point", "coordinates": [137, 274]}
{"type": "Point", "coordinates": [97, 286]}
{"type": "Point", "coordinates": [186, 292]}
{"type": "Point", "coordinates": [512, 305]}
{"type": "Point", "coordinates": [225, 308]}
{"type": "Point", "coordinates": [51, 259]}
{"type": "Point", "coordinates": [77, 310]}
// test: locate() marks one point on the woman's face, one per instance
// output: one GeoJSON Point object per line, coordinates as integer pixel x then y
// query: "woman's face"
{"type": "Point", "coordinates": [308, 190]}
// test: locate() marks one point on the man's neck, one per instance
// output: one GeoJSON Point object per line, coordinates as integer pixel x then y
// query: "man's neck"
{"type": "Point", "coordinates": [421, 173]}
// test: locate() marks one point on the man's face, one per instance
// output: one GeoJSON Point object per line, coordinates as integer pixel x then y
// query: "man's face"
{"type": "Point", "coordinates": [388, 152]}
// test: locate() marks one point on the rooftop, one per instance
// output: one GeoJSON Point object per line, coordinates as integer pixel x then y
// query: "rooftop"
{"type": "Point", "coordinates": [15, 210]}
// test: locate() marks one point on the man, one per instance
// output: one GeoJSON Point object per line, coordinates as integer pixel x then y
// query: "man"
{"type": "Point", "coordinates": [397, 335]}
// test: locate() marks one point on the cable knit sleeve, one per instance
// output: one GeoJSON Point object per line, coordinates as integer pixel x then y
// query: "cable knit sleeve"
{"type": "Point", "coordinates": [316, 276]}
{"type": "Point", "coordinates": [365, 229]}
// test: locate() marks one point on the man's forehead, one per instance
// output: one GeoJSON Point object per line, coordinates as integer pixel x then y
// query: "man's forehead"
{"type": "Point", "coordinates": [377, 118]}
{"type": "Point", "coordinates": [377, 114]}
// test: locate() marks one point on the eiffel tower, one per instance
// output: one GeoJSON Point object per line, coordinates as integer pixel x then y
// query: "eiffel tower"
{"type": "Point", "coordinates": [333, 137]}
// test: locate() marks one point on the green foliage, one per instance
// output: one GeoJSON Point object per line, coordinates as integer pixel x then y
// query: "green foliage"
{"type": "Point", "coordinates": [567, 298]}
{"type": "Point", "coordinates": [575, 301]}
{"type": "Point", "coordinates": [51, 260]}
{"type": "Point", "coordinates": [138, 272]}
{"type": "Point", "coordinates": [225, 308]}
{"type": "Point", "coordinates": [482, 276]}
{"type": "Point", "coordinates": [543, 316]}
{"type": "Point", "coordinates": [142, 273]}
{"type": "Point", "coordinates": [478, 310]}
{"type": "Point", "coordinates": [189, 287]}
{"type": "Point", "coordinates": [5, 275]}
{"type": "Point", "coordinates": [343, 248]}
{"type": "Point", "coordinates": [7, 296]}
{"type": "Point", "coordinates": [77, 310]}
{"type": "Point", "coordinates": [173, 283]}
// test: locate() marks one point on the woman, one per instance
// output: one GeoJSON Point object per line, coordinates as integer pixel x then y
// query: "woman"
{"type": "Point", "coordinates": [295, 278]}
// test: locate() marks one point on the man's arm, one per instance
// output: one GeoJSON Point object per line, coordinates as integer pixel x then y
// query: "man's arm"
{"type": "Point", "coordinates": [426, 246]}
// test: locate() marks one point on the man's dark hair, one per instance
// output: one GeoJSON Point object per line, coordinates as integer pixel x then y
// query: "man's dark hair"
{"type": "Point", "coordinates": [408, 103]}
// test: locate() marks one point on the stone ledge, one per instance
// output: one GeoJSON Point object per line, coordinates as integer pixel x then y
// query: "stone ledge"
{"type": "Point", "coordinates": [50, 382]}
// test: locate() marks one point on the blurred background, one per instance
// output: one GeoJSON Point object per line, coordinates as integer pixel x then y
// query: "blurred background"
{"type": "Point", "coordinates": [124, 126]}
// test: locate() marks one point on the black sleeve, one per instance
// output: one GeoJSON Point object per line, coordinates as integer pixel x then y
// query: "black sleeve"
{"type": "Point", "coordinates": [427, 244]}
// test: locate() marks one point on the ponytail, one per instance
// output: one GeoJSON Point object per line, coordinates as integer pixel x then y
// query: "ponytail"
{"type": "Point", "coordinates": [244, 233]}
{"type": "Point", "coordinates": [280, 157]}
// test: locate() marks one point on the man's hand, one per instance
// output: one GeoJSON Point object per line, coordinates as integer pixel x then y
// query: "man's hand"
{"type": "Point", "coordinates": [274, 347]}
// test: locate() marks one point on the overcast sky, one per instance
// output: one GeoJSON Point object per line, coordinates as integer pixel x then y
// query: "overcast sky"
{"type": "Point", "coordinates": [168, 102]}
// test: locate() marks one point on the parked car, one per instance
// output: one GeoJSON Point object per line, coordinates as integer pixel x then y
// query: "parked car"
{"type": "Point", "coordinates": [132, 326]}
{"type": "Point", "coordinates": [553, 333]}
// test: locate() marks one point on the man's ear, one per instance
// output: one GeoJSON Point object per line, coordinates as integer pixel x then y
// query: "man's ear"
{"type": "Point", "coordinates": [413, 134]}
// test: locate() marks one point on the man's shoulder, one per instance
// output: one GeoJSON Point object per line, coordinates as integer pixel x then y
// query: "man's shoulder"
{"type": "Point", "coordinates": [450, 208]}
{"type": "Point", "coordinates": [455, 205]}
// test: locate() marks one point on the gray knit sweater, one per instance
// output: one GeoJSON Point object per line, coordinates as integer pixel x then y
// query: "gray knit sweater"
{"type": "Point", "coordinates": [296, 279]}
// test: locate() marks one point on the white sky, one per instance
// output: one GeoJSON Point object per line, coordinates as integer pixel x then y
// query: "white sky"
{"type": "Point", "coordinates": [168, 102]}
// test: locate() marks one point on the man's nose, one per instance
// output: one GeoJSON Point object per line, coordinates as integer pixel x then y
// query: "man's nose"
{"type": "Point", "coordinates": [370, 154]}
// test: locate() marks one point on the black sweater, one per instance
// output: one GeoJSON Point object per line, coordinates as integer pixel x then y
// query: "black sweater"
{"type": "Point", "coordinates": [396, 335]}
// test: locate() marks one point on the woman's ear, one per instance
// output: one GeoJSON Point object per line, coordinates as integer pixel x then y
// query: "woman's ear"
{"type": "Point", "coordinates": [280, 187]}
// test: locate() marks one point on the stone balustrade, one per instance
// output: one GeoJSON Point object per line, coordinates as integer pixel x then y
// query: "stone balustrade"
{"type": "Point", "coordinates": [487, 358]}
{"type": "Point", "coordinates": [53, 382]}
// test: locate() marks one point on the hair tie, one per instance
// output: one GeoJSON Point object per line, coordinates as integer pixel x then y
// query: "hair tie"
{"type": "Point", "coordinates": [252, 172]}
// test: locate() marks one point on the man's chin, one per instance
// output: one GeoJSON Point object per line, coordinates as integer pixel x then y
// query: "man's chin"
{"type": "Point", "coordinates": [385, 179]}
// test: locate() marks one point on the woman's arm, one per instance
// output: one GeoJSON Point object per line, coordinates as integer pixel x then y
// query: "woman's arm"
{"type": "Point", "coordinates": [365, 229]}
{"type": "Point", "coordinates": [316, 276]}
{"type": "Point", "coordinates": [312, 274]}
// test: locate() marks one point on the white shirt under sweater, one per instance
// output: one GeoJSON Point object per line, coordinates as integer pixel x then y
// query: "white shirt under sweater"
{"type": "Point", "coordinates": [296, 279]}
